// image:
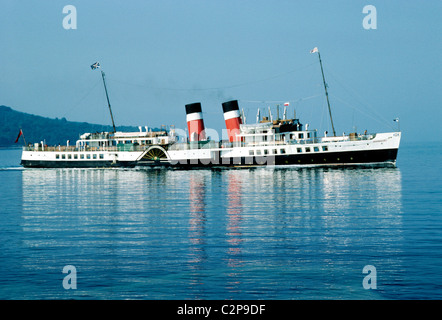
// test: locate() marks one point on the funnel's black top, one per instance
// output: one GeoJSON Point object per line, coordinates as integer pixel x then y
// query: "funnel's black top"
{"type": "Point", "coordinates": [230, 106]}
{"type": "Point", "coordinates": [193, 107]}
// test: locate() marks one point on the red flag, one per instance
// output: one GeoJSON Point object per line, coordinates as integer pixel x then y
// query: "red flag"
{"type": "Point", "coordinates": [19, 135]}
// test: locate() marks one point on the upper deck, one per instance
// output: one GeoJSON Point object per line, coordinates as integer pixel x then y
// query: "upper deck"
{"type": "Point", "coordinates": [109, 141]}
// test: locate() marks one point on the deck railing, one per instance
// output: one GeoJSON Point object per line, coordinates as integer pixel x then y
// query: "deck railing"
{"type": "Point", "coordinates": [196, 145]}
{"type": "Point", "coordinates": [85, 149]}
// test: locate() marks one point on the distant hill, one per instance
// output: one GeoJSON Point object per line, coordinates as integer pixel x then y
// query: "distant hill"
{"type": "Point", "coordinates": [37, 128]}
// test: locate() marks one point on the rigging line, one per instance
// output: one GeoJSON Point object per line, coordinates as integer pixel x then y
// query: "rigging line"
{"type": "Point", "coordinates": [281, 101]}
{"type": "Point", "coordinates": [357, 96]}
{"type": "Point", "coordinates": [376, 118]}
{"type": "Point", "coordinates": [82, 99]}
{"type": "Point", "coordinates": [292, 101]}
{"type": "Point", "coordinates": [264, 79]}
{"type": "Point", "coordinates": [379, 120]}
{"type": "Point", "coordinates": [217, 88]}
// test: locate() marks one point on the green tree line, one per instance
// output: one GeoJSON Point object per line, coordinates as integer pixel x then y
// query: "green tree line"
{"type": "Point", "coordinates": [51, 131]}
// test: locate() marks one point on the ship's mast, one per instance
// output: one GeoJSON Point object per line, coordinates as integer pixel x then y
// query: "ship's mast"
{"type": "Point", "coordinates": [325, 88]}
{"type": "Point", "coordinates": [93, 67]}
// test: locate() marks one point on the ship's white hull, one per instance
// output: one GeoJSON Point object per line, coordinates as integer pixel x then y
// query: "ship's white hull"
{"type": "Point", "coordinates": [382, 149]}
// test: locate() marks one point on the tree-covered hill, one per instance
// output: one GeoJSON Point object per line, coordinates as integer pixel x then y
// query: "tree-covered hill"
{"type": "Point", "coordinates": [37, 128]}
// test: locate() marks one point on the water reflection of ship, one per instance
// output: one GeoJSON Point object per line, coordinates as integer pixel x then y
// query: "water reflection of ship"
{"type": "Point", "coordinates": [197, 220]}
{"type": "Point", "coordinates": [364, 219]}
{"type": "Point", "coordinates": [198, 187]}
{"type": "Point", "coordinates": [330, 212]}
{"type": "Point", "coordinates": [379, 198]}
{"type": "Point", "coordinates": [234, 234]}
{"type": "Point", "coordinates": [342, 190]}
{"type": "Point", "coordinates": [234, 216]}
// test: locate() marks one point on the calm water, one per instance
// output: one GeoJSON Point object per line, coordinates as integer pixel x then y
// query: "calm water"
{"type": "Point", "coordinates": [228, 234]}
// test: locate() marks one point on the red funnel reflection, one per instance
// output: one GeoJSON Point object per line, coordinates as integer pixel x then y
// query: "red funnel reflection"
{"type": "Point", "coordinates": [234, 216]}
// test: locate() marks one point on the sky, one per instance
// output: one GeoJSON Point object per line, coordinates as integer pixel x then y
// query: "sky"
{"type": "Point", "coordinates": [159, 56]}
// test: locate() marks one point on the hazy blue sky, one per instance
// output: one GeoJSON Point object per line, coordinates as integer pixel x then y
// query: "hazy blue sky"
{"type": "Point", "coordinates": [160, 55]}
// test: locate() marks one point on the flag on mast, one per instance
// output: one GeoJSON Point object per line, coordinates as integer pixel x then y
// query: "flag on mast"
{"type": "Point", "coordinates": [286, 104]}
{"type": "Point", "coordinates": [315, 49]}
{"type": "Point", "coordinates": [19, 135]}
{"type": "Point", "coordinates": [95, 65]}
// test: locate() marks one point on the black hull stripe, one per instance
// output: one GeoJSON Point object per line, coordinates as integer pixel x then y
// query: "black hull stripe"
{"type": "Point", "coordinates": [330, 158]}
{"type": "Point", "coordinates": [325, 158]}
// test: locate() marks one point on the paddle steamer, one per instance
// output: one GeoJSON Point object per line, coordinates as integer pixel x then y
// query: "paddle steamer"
{"type": "Point", "coordinates": [268, 142]}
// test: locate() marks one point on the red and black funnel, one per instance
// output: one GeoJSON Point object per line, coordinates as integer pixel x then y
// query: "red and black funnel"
{"type": "Point", "coordinates": [232, 118]}
{"type": "Point", "coordinates": [195, 123]}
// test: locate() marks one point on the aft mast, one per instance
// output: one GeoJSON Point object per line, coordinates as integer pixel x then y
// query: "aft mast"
{"type": "Point", "coordinates": [325, 88]}
{"type": "Point", "coordinates": [93, 67]}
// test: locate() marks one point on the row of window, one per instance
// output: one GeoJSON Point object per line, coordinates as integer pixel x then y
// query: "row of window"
{"type": "Point", "coordinates": [282, 150]}
{"type": "Point", "coordinates": [266, 151]}
{"type": "Point", "coordinates": [80, 156]}
{"type": "Point", "coordinates": [315, 149]}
